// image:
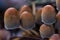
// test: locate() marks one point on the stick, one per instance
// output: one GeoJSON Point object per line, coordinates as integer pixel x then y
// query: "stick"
{"type": "Point", "coordinates": [33, 7]}
{"type": "Point", "coordinates": [26, 30]}
{"type": "Point", "coordinates": [36, 33]}
{"type": "Point", "coordinates": [29, 31]}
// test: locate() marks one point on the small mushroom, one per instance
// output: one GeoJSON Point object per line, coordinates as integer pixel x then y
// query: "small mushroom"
{"type": "Point", "coordinates": [48, 15]}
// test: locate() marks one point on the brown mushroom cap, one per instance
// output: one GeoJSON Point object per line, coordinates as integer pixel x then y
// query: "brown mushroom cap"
{"type": "Point", "coordinates": [55, 37]}
{"type": "Point", "coordinates": [46, 30]}
{"type": "Point", "coordinates": [4, 35]}
{"type": "Point", "coordinates": [57, 24]}
{"type": "Point", "coordinates": [25, 8]}
{"type": "Point", "coordinates": [58, 4]}
{"type": "Point", "coordinates": [27, 20]}
{"type": "Point", "coordinates": [48, 15]}
{"type": "Point", "coordinates": [11, 18]}
{"type": "Point", "coordinates": [38, 16]}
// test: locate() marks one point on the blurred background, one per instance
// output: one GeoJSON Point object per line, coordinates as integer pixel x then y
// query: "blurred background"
{"type": "Point", "coordinates": [19, 3]}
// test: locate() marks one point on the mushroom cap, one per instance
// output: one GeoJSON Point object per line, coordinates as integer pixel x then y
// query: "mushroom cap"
{"type": "Point", "coordinates": [11, 19]}
{"type": "Point", "coordinates": [25, 8]}
{"type": "Point", "coordinates": [38, 16]}
{"type": "Point", "coordinates": [46, 30]}
{"type": "Point", "coordinates": [58, 4]}
{"type": "Point", "coordinates": [27, 20]}
{"type": "Point", "coordinates": [4, 35]}
{"type": "Point", "coordinates": [48, 15]}
{"type": "Point", "coordinates": [57, 24]}
{"type": "Point", "coordinates": [55, 37]}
